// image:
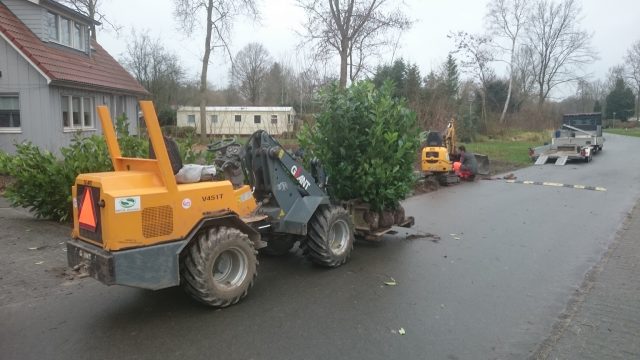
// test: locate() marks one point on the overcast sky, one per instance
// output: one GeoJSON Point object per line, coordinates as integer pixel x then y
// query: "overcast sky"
{"type": "Point", "coordinates": [615, 25]}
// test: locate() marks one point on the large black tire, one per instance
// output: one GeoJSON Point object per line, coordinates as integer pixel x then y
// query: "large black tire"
{"type": "Point", "coordinates": [330, 237]}
{"type": "Point", "coordinates": [278, 245]}
{"type": "Point", "coordinates": [219, 267]}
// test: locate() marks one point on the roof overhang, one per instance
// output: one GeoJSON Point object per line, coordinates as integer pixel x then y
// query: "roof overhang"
{"type": "Point", "coordinates": [105, 89]}
{"type": "Point", "coordinates": [65, 9]}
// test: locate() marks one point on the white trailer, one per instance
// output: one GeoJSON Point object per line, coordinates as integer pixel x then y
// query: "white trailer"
{"type": "Point", "coordinates": [579, 139]}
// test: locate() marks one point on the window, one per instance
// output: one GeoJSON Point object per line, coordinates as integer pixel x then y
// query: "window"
{"type": "Point", "coordinates": [66, 120]}
{"type": "Point", "coordinates": [274, 119]}
{"type": "Point", "coordinates": [191, 120]}
{"type": "Point", "coordinates": [66, 32]}
{"type": "Point", "coordinates": [86, 112]}
{"type": "Point", "coordinates": [289, 119]}
{"type": "Point", "coordinates": [9, 112]}
{"type": "Point", "coordinates": [52, 27]}
{"type": "Point", "coordinates": [78, 36]}
{"type": "Point", "coordinates": [75, 103]}
{"type": "Point", "coordinates": [238, 118]}
{"type": "Point", "coordinates": [77, 112]}
{"type": "Point", "coordinates": [256, 119]}
{"type": "Point", "coordinates": [214, 119]}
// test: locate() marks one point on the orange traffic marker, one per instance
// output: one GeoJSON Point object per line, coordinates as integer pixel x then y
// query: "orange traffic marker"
{"type": "Point", "coordinates": [87, 218]}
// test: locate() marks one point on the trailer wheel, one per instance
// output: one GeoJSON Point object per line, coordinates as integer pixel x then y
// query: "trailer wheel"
{"type": "Point", "coordinates": [219, 267]}
{"type": "Point", "coordinates": [330, 237]}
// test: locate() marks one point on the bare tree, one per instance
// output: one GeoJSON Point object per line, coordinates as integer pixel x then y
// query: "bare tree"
{"type": "Point", "coordinates": [354, 29]}
{"type": "Point", "coordinates": [633, 65]}
{"type": "Point", "coordinates": [218, 16]}
{"type": "Point", "coordinates": [91, 9]}
{"type": "Point", "coordinates": [524, 77]}
{"type": "Point", "coordinates": [157, 69]}
{"type": "Point", "coordinates": [249, 70]}
{"type": "Point", "coordinates": [506, 19]}
{"type": "Point", "coordinates": [476, 53]}
{"type": "Point", "coordinates": [560, 47]}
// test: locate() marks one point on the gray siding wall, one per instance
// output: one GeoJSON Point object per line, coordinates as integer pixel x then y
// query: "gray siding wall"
{"type": "Point", "coordinates": [30, 14]}
{"type": "Point", "coordinates": [41, 105]}
{"type": "Point", "coordinates": [18, 76]}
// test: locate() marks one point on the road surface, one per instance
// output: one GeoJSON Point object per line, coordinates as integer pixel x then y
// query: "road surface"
{"type": "Point", "coordinates": [509, 260]}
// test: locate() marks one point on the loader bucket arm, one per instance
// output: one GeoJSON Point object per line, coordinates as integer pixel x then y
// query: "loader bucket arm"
{"type": "Point", "coordinates": [288, 192]}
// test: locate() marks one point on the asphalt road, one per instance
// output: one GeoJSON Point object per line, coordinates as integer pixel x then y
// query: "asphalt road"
{"type": "Point", "coordinates": [509, 258]}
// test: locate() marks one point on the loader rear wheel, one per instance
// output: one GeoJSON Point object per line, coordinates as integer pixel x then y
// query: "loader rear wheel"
{"type": "Point", "coordinates": [219, 266]}
{"type": "Point", "coordinates": [330, 238]}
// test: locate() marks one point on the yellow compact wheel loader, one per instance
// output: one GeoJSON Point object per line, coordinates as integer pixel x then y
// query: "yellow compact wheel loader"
{"type": "Point", "coordinates": [137, 226]}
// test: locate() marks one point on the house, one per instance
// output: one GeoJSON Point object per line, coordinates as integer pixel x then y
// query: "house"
{"type": "Point", "coordinates": [53, 75]}
{"type": "Point", "coordinates": [239, 120]}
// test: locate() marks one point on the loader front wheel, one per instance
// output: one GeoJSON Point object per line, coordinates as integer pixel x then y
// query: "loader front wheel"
{"type": "Point", "coordinates": [330, 237]}
{"type": "Point", "coordinates": [219, 267]}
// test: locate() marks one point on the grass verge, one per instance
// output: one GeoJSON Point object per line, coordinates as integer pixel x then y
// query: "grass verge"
{"type": "Point", "coordinates": [627, 132]}
{"type": "Point", "coordinates": [504, 155]}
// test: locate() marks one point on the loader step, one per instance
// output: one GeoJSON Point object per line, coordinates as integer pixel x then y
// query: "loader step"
{"type": "Point", "coordinates": [542, 159]}
{"type": "Point", "coordinates": [562, 160]}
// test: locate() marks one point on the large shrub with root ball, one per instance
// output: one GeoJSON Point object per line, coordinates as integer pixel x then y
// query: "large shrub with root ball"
{"type": "Point", "coordinates": [367, 141]}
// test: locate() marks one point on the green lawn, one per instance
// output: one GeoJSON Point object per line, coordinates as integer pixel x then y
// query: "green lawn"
{"type": "Point", "coordinates": [514, 153]}
{"type": "Point", "coordinates": [627, 132]}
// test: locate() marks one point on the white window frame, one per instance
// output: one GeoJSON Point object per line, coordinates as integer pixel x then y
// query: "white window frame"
{"type": "Point", "coordinates": [257, 119]}
{"type": "Point", "coordinates": [274, 119]}
{"type": "Point", "coordinates": [237, 118]}
{"type": "Point", "coordinates": [78, 44]}
{"type": "Point", "coordinates": [12, 129]}
{"type": "Point", "coordinates": [189, 122]}
{"type": "Point", "coordinates": [213, 119]}
{"type": "Point", "coordinates": [81, 127]}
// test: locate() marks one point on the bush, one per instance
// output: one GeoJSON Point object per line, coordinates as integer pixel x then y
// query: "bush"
{"type": "Point", "coordinates": [41, 183]}
{"type": "Point", "coordinates": [185, 131]}
{"type": "Point", "coordinates": [367, 141]}
{"type": "Point", "coordinates": [185, 147]}
{"type": "Point", "coordinates": [4, 161]}
{"type": "Point", "coordinates": [130, 146]}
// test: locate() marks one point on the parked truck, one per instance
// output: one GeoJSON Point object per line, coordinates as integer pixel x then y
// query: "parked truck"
{"type": "Point", "coordinates": [579, 138]}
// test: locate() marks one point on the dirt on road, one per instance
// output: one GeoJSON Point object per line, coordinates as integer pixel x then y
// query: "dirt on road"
{"type": "Point", "coordinates": [33, 257]}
